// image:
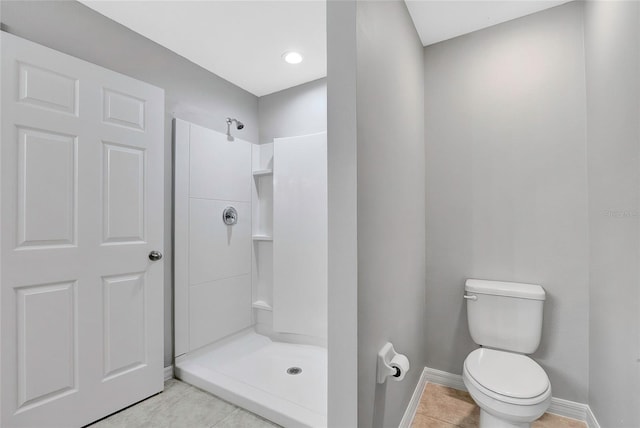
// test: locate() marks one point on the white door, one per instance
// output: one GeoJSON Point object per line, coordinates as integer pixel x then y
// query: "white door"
{"type": "Point", "coordinates": [81, 209]}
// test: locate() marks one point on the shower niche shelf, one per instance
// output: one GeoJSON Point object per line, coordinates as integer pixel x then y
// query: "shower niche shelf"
{"type": "Point", "coordinates": [262, 229]}
{"type": "Point", "coordinates": [262, 237]}
{"type": "Point", "coordinates": [261, 304]}
{"type": "Point", "coordinates": [262, 172]}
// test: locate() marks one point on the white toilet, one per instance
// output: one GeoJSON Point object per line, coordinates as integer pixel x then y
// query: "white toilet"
{"type": "Point", "coordinates": [505, 319]}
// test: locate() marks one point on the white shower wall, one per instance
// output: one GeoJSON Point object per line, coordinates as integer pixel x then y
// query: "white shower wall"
{"type": "Point", "coordinates": [225, 287]}
{"type": "Point", "coordinates": [290, 239]}
{"type": "Point", "coordinates": [213, 260]}
{"type": "Point", "coordinates": [300, 235]}
{"type": "Point", "coordinates": [224, 275]}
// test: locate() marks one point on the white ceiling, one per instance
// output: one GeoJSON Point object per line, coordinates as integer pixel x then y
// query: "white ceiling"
{"type": "Point", "coordinates": [240, 41]}
{"type": "Point", "coordinates": [438, 20]}
{"type": "Point", "coordinates": [243, 41]}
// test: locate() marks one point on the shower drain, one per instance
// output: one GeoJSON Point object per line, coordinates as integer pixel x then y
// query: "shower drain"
{"type": "Point", "coordinates": [294, 370]}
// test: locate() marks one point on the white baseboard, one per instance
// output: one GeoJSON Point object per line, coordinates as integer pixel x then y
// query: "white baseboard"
{"type": "Point", "coordinates": [568, 409]}
{"type": "Point", "coordinates": [168, 372]}
{"type": "Point", "coordinates": [560, 407]}
{"type": "Point", "coordinates": [592, 422]}
{"type": "Point", "coordinates": [444, 378]}
{"type": "Point", "coordinates": [410, 413]}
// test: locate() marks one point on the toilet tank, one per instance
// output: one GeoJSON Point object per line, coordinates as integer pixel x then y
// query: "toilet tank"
{"type": "Point", "coordinates": [505, 315]}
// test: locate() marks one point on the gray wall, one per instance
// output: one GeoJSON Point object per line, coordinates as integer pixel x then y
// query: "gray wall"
{"type": "Point", "coordinates": [507, 184]}
{"type": "Point", "coordinates": [192, 93]}
{"type": "Point", "coordinates": [342, 212]}
{"type": "Point", "coordinates": [612, 41]}
{"type": "Point", "coordinates": [300, 110]}
{"type": "Point", "coordinates": [391, 205]}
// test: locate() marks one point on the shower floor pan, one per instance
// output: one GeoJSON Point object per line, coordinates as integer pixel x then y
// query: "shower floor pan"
{"type": "Point", "coordinates": [257, 374]}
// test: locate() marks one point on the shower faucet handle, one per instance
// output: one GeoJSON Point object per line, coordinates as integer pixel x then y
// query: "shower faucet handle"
{"type": "Point", "coordinates": [230, 216]}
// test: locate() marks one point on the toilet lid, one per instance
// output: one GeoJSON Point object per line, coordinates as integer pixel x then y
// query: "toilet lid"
{"type": "Point", "coordinates": [506, 373]}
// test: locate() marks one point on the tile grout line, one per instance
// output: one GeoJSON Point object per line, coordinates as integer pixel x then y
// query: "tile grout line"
{"type": "Point", "coordinates": [184, 397]}
{"type": "Point", "coordinates": [444, 421]}
{"type": "Point", "coordinates": [235, 411]}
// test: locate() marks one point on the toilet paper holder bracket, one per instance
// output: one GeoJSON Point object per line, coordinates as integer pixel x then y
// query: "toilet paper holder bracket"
{"type": "Point", "coordinates": [391, 364]}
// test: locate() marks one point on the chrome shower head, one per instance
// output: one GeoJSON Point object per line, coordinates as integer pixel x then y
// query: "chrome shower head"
{"type": "Point", "coordinates": [239, 125]}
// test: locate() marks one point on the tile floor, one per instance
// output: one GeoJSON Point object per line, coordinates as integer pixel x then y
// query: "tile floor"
{"type": "Point", "coordinates": [183, 406]}
{"type": "Point", "coordinates": [442, 407]}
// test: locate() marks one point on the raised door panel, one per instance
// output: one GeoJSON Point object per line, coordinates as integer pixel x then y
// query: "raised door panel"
{"type": "Point", "coordinates": [47, 342]}
{"type": "Point", "coordinates": [47, 188]}
{"type": "Point", "coordinates": [124, 323]}
{"type": "Point", "coordinates": [123, 191]}
{"type": "Point", "coordinates": [47, 89]}
{"type": "Point", "coordinates": [123, 110]}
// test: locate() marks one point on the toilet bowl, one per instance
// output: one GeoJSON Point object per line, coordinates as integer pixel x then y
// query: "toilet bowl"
{"type": "Point", "coordinates": [511, 389]}
{"type": "Point", "coordinates": [505, 319]}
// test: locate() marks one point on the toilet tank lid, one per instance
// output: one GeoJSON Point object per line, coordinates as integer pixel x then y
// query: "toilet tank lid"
{"type": "Point", "coordinates": [507, 289]}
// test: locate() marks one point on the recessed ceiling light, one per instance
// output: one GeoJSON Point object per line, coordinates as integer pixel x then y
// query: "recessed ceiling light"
{"type": "Point", "coordinates": [292, 57]}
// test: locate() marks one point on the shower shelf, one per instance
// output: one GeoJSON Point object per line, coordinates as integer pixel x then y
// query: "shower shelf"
{"type": "Point", "coordinates": [262, 238]}
{"type": "Point", "coordinates": [261, 304]}
{"type": "Point", "coordinates": [262, 172]}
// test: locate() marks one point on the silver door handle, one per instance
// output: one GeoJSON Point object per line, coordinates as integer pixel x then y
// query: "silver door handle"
{"type": "Point", "coordinates": [468, 297]}
{"type": "Point", "coordinates": [154, 256]}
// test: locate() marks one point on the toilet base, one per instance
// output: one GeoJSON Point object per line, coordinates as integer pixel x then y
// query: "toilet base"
{"type": "Point", "coordinates": [487, 420]}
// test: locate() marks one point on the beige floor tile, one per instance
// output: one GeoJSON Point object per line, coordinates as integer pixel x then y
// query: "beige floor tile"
{"type": "Point", "coordinates": [421, 421]}
{"type": "Point", "coordinates": [447, 407]}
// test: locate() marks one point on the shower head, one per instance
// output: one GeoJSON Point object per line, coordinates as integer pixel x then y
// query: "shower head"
{"type": "Point", "coordinates": [239, 125]}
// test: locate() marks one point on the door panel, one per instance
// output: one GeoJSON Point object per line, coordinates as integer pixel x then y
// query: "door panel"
{"type": "Point", "coordinates": [47, 339]}
{"type": "Point", "coordinates": [123, 109]}
{"type": "Point", "coordinates": [124, 335]}
{"type": "Point", "coordinates": [123, 190]}
{"type": "Point", "coordinates": [81, 164]}
{"type": "Point", "coordinates": [47, 187]}
{"type": "Point", "coordinates": [48, 89]}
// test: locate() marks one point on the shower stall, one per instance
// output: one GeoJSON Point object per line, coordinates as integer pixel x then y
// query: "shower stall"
{"type": "Point", "coordinates": [251, 271]}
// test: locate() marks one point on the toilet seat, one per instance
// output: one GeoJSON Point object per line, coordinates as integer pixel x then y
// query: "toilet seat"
{"type": "Point", "coordinates": [507, 377]}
